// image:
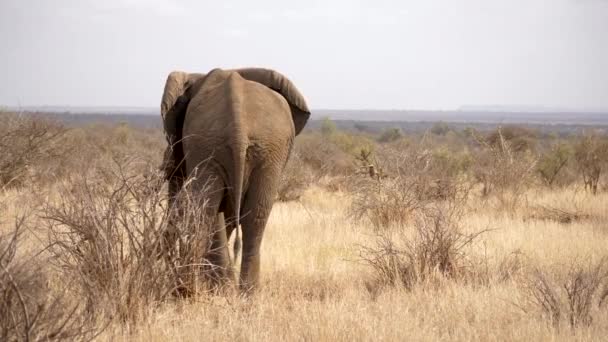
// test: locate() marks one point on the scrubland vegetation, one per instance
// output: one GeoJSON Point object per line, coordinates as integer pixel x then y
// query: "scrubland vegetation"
{"type": "Point", "coordinates": [449, 234]}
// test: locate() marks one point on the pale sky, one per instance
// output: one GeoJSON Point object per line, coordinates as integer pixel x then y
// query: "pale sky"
{"type": "Point", "coordinates": [382, 54]}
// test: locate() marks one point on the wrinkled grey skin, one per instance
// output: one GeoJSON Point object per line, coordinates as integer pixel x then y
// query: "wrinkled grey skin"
{"type": "Point", "coordinates": [233, 130]}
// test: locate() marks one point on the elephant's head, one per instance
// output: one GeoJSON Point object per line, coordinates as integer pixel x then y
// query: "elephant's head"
{"type": "Point", "coordinates": [180, 88]}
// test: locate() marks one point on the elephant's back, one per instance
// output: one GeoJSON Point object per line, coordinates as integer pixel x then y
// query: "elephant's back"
{"type": "Point", "coordinates": [228, 108]}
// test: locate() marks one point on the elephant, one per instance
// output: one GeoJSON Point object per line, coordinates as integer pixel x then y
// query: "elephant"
{"type": "Point", "coordinates": [231, 133]}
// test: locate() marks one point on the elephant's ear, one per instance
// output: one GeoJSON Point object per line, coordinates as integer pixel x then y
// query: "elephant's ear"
{"type": "Point", "coordinates": [281, 84]}
{"type": "Point", "coordinates": [177, 84]}
{"type": "Point", "coordinates": [175, 101]}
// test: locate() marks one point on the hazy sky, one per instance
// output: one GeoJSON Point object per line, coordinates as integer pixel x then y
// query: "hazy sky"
{"type": "Point", "coordinates": [385, 54]}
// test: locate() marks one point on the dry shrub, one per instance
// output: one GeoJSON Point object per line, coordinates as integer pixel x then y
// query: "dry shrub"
{"type": "Point", "coordinates": [553, 163]}
{"type": "Point", "coordinates": [591, 154]}
{"type": "Point", "coordinates": [510, 267]}
{"type": "Point", "coordinates": [109, 237]}
{"type": "Point", "coordinates": [434, 245]}
{"type": "Point", "coordinates": [505, 170]}
{"type": "Point", "coordinates": [28, 144]}
{"type": "Point", "coordinates": [440, 174]}
{"type": "Point", "coordinates": [352, 144]}
{"type": "Point", "coordinates": [386, 203]}
{"type": "Point", "coordinates": [30, 309]}
{"type": "Point", "coordinates": [519, 139]}
{"type": "Point", "coordinates": [98, 145]}
{"type": "Point", "coordinates": [36, 149]}
{"type": "Point", "coordinates": [323, 156]}
{"type": "Point", "coordinates": [390, 135]}
{"type": "Point", "coordinates": [409, 182]}
{"type": "Point", "coordinates": [296, 177]}
{"type": "Point", "coordinates": [323, 162]}
{"type": "Point", "coordinates": [575, 297]}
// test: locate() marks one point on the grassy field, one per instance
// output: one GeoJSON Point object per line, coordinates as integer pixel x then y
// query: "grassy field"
{"type": "Point", "coordinates": [537, 270]}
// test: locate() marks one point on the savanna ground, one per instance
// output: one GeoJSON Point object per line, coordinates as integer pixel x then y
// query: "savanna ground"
{"type": "Point", "coordinates": [441, 235]}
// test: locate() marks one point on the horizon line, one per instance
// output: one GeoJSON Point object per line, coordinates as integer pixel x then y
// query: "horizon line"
{"type": "Point", "coordinates": [465, 108]}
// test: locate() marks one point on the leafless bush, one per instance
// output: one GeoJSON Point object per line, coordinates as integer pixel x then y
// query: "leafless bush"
{"type": "Point", "coordinates": [511, 266]}
{"type": "Point", "coordinates": [386, 203]}
{"type": "Point", "coordinates": [27, 142]}
{"type": "Point", "coordinates": [591, 154]}
{"type": "Point", "coordinates": [435, 244]}
{"type": "Point", "coordinates": [98, 145]}
{"type": "Point", "coordinates": [504, 171]}
{"type": "Point", "coordinates": [573, 297]}
{"type": "Point", "coordinates": [29, 309]}
{"type": "Point", "coordinates": [519, 139]}
{"type": "Point", "coordinates": [109, 237]}
{"type": "Point", "coordinates": [440, 173]}
{"type": "Point", "coordinates": [296, 177]}
{"type": "Point", "coordinates": [323, 156]}
{"type": "Point", "coordinates": [553, 162]}
{"type": "Point", "coordinates": [408, 183]}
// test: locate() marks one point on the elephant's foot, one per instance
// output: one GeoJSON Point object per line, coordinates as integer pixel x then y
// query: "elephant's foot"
{"type": "Point", "coordinates": [250, 269]}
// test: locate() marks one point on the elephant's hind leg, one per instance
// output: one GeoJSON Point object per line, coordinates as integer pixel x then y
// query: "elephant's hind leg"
{"type": "Point", "coordinates": [218, 254]}
{"type": "Point", "coordinates": [216, 258]}
{"type": "Point", "coordinates": [256, 210]}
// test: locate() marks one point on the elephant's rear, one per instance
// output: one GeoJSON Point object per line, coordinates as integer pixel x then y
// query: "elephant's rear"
{"type": "Point", "coordinates": [234, 127]}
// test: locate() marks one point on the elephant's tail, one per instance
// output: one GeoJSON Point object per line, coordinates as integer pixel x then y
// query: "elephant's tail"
{"type": "Point", "coordinates": [239, 172]}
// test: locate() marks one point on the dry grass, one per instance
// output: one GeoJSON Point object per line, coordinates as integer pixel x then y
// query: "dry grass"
{"type": "Point", "coordinates": [500, 285]}
{"type": "Point", "coordinates": [313, 286]}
